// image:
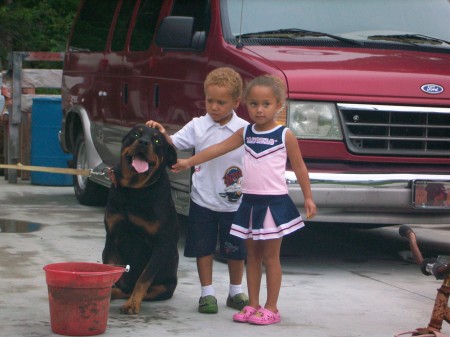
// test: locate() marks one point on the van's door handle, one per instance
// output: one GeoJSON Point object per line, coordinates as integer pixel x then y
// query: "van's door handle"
{"type": "Point", "coordinates": [125, 94]}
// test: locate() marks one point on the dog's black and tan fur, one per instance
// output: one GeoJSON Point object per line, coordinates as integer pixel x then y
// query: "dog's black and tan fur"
{"type": "Point", "coordinates": [141, 221]}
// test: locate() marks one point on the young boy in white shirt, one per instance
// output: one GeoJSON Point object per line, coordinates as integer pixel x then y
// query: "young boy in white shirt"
{"type": "Point", "coordinates": [216, 187]}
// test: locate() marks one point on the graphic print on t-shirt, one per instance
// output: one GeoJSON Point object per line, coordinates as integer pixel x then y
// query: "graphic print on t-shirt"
{"type": "Point", "coordinates": [233, 184]}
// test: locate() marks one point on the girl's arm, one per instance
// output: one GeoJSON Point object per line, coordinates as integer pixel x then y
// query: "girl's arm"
{"type": "Point", "coordinates": [301, 172]}
{"type": "Point", "coordinates": [231, 143]}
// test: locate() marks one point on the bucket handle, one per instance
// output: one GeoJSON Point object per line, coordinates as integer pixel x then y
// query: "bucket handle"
{"type": "Point", "coordinates": [126, 270]}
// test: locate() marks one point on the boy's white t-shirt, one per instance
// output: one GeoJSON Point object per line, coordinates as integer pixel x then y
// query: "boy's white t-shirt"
{"type": "Point", "coordinates": [216, 184]}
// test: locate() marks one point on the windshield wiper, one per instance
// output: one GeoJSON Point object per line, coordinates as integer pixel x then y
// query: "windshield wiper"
{"type": "Point", "coordinates": [294, 32]}
{"type": "Point", "coordinates": [413, 39]}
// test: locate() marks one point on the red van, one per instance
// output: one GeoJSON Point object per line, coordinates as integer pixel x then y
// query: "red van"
{"type": "Point", "coordinates": [368, 84]}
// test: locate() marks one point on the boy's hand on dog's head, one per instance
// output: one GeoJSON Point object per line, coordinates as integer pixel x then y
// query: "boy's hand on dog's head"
{"type": "Point", "coordinates": [155, 125]}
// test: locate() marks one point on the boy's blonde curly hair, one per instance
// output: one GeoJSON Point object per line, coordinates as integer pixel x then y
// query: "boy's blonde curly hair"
{"type": "Point", "coordinates": [225, 77]}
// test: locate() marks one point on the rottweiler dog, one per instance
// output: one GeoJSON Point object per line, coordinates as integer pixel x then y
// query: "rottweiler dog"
{"type": "Point", "coordinates": [141, 220]}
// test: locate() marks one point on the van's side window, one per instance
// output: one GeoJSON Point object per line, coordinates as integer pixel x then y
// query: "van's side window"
{"type": "Point", "coordinates": [122, 25]}
{"type": "Point", "coordinates": [145, 25]}
{"type": "Point", "coordinates": [198, 9]}
{"type": "Point", "coordinates": [92, 28]}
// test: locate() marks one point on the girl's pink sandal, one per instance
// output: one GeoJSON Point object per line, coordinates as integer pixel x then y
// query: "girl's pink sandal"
{"type": "Point", "coordinates": [264, 317]}
{"type": "Point", "coordinates": [243, 315]}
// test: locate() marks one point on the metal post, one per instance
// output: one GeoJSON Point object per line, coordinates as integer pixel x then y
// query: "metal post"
{"type": "Point", "coordinates": [15, 116]}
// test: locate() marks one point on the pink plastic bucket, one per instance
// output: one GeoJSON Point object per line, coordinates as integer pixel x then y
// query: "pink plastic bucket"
{"type": "Point", "coordinates": [79, 295]}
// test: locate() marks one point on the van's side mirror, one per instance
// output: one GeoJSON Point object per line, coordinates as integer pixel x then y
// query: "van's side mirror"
{"type": "Point", "coordinates": [175, 32]}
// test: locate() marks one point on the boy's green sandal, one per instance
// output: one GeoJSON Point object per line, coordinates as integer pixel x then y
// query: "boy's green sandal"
{"type": "Point", "coordinates": [238, 301]}
{"type": "Point", "coordinates": [208, 305]}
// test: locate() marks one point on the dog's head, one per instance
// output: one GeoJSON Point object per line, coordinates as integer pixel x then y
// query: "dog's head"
{"type": "Point", "coordinates": [145, 155]}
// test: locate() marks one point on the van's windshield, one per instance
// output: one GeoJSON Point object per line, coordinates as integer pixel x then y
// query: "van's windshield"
{"type": "Point", "coordinates": [411, 22]}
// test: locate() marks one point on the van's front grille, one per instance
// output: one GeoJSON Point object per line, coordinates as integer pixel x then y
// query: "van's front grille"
{"type": "Point", "coordinates": [396, 130]}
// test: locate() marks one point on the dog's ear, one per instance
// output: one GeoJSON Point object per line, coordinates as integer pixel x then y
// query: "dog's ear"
{"type": "Point", "coordinates": [125, 137]}
{"type": "Point", "coordinates": [171, 156]}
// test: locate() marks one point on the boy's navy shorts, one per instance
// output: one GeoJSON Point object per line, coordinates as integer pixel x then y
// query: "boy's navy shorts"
{"type": "Point", "coordinates": [204, 227]}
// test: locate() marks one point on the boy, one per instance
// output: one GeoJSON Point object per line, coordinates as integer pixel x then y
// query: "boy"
{"type": "Point", "coordinates": [216, 187]}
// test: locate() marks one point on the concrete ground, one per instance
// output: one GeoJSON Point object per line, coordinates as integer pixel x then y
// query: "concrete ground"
{"type": "Point", "coordinates": [321, 295]}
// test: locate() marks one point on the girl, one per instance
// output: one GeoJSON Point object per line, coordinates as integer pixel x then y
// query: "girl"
{"type": "Point", "coordinates": [266, 213]}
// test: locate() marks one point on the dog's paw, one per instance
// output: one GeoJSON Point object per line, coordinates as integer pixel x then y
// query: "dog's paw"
{"type": "Point", "coordinates": [130, 308]}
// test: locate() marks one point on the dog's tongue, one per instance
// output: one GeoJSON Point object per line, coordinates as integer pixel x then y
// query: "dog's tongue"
{"type": "Point", "coordinates": [139, 165]}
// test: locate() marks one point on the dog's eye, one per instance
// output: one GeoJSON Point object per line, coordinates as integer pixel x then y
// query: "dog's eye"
{"type": "Point", "coordinates": [156, 141]}
{"type": "Point", "coordinates": [136, 134]}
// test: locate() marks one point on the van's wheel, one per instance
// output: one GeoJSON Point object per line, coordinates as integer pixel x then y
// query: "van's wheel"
{"type": "Point", "coordinates": [87, 192]}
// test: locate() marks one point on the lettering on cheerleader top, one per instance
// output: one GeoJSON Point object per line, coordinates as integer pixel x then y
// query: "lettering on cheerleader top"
{"type": "Point", "coordinates": [260, 140]}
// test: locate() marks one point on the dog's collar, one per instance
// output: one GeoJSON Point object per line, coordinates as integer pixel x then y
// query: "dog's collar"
{"type": "Point", "coordinates": [156, 179]}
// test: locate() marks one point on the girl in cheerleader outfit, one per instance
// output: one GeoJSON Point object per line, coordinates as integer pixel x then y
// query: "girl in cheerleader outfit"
{"type": "Point", "coordinates": [266, 213]}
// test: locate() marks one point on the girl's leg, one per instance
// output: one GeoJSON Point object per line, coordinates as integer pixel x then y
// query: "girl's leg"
{"type": "Point", "coordinates": [254, 271]}
{"type": "Point", "coordinates": [271, 258]}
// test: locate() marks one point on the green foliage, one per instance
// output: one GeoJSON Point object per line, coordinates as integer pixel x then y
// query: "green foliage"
{"type": "Point", "coordinates": [34, 25]}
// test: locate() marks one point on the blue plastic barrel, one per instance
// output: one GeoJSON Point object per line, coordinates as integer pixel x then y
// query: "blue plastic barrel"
{"type": "Point", "coordinates": [46, 117]}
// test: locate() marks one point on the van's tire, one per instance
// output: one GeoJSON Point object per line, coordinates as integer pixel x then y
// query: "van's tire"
{"type": "Point", "coordinates": [87, 192]}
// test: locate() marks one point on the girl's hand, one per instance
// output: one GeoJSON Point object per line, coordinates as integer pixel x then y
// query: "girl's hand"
{"type": "Point", "coordinates": [155, 125]}
{"type": "Point", "coordinates": [310, 208]}
{"type": "Point", "coordinates": [182, 164]}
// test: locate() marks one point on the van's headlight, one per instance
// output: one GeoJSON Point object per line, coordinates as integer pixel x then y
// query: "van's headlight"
{"type": "Point", "coordinates": [314, 120]}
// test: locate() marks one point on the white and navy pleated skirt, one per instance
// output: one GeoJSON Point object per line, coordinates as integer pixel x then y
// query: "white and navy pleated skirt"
{"type": "Point", "coordinates": [263, 217]}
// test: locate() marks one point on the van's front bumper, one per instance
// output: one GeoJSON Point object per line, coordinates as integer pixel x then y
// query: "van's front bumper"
{"type": "Point", "coordinates": [372, 199]}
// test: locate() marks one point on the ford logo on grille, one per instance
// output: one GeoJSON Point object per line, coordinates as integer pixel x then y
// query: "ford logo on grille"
{"type": "Point", "coordinates": [433, 89]}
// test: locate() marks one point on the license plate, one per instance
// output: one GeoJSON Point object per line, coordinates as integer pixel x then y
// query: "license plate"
{"type": "Point", "coordinates": [431, 194]}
